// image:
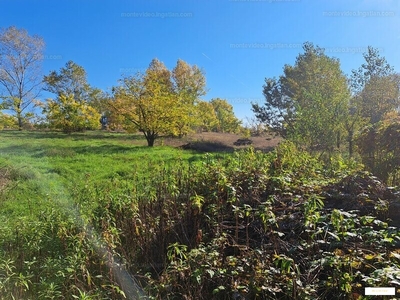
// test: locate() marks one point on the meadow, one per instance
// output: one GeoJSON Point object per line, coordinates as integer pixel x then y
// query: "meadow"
{"type": "Point", "coordinates": [42, 172]}
{"type": "Point", "coordinates": [98, 215]}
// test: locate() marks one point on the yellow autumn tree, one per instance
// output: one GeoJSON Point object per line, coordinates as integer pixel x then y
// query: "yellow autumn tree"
{"type": "Point", "coordinates": [145, 102]}
{"type": "Point", "coordinates": [189, 84]}
{"type": "Point", "coordinates": [206, 117]}
{"type": "Point", "coordinates": [8, 121]}
{"type": "Point", "coordinates": [158, 101]}
{"type": "Point", "coordinates": [70, 115]}
{"type": "Point", "coordinates": [227, 121]}
{"type": "Point", "coordinates": [71, 110]}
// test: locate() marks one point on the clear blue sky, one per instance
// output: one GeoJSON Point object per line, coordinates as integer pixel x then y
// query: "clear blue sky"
{"type": "Point", "coordinates": [236, 42]}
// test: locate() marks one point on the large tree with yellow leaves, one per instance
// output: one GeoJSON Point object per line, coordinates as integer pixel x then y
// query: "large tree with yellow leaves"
{"type": "Point", "coordinates": [158, 101]}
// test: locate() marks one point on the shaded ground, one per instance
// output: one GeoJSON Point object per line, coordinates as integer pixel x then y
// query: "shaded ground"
{"type": "Point", "coordinates": [215, 142]}
{"type": "Point", "coordinates": [366, 194]}
{"type": "Point", "coordinates": [206, 141]}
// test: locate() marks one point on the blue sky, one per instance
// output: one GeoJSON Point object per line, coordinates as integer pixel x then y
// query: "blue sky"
{"type": "Point", "coordinates": [237, 43]}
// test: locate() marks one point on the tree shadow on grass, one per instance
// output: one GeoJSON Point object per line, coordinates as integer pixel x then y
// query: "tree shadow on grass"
{"type": "Point", "coordinates": [15, 134]}
{"type": "Point", "coordinates": [20, 149]}
{"type": "Point", "coordinates": [107, 149]}
{"type": "Point", "coordinates": [59, 151]}
{"type": "Point", "coordinates": [207, 146]}
{"type": "Point", "coordinates": [219, 147]}
{"type": "Point", "coordinates": [76, 136]}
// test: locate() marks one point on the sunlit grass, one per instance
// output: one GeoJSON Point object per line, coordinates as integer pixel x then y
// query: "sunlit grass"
{"type": "Point", "coordinates": [45, 171]}
{"type": "Point", "coordinates": [47, 166]}
{"type": "Point", "coordinates": [97, 216]}
{"type": "Point", "coordinates": [79, 155]}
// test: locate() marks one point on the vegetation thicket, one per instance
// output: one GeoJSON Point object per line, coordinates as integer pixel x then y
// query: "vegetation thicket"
{"type": "Point", "coordinates": [80, 210]}
{"type": "Point", "coordinates": [314, 105]}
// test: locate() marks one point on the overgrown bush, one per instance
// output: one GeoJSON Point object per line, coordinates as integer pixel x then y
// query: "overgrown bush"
{"type": "Point", "coordinates": [249, 225]}
{"type": "Point", "coordinates": [246, 226]}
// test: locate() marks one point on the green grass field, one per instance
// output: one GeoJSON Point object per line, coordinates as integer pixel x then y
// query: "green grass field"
{"type": "Point", "coordinates": [43, 174]}
{"type": "Point", "coordinates": [51, 164]}
{"type": "Point", "coordinates": [95, 215]}
{"type": "Point", "coordinates": [47, 167]}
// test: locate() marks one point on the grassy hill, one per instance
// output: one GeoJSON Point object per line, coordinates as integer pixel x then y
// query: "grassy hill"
{"type": "Point", "coordinates": [101, 216]}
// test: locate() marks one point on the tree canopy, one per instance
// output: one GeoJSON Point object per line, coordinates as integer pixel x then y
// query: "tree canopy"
{"type": "Point", "coordinates": [158, 101]}
{"type": "Point", "coordinates": [20, 70]}
{"type": "Point", "coordinates": [189, 85]}
{"type": "Point", "coordinates": [205, 117]}
{"type": "Point", "coordinates": [70, 80]}
{"type": "Point", "coordinates": [226, 119]}
{"type": "Point", "coordinates": [309, 102]}
{"type": "Point", "coordinates": [70, 115]}
{"type": "Point", "coordinates": [71, 110]}
{"type": "Point", "coordinates": [376, 86]}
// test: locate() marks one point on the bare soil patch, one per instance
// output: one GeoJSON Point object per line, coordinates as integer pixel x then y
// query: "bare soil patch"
{"type": "Point", "coordinates": [218, 142]}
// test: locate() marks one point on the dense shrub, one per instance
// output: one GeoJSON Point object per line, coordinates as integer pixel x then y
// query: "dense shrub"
{"type": "Point", "coordinates": [247, 225]}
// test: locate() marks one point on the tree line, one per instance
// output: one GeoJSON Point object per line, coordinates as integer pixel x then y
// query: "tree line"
{"type": "Point", "coordinates": [155, 102]}
{"type": "Point", "coordinates": [314, 104]}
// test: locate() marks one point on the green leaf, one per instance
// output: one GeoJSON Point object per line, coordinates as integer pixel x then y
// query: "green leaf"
{"type": "Point", "coordinates": [388, 240]}
{"type": "Point", "coordinates": [334, 235]}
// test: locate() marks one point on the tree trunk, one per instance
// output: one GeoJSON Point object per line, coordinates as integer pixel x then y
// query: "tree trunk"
{"type": "Point", "coordinates": [351, 143]}
{"type": "Point", "coordinates": [150, 137]}
{"type": "Point", "coordinates": [150, 142]}
{"type": "Point", "coordinates": [19, 117]}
